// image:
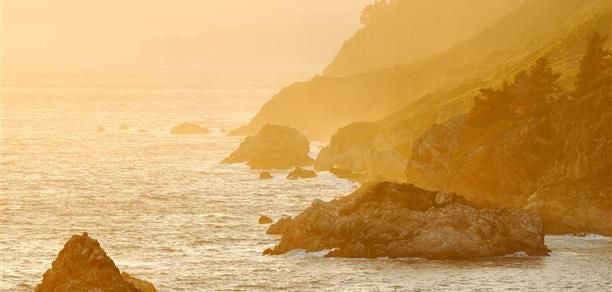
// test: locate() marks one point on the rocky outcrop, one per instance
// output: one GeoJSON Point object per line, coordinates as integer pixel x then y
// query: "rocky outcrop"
{"type": "Point", "coordinates": [263, 219]}
{"type": "Point", "coordinates": [265, 175]}
{"type": "Point", "coordinates": [363, 150]}
{"type": "Point", "coordinates": [280, 226]}
{"type": "Point", "coordinates": [400, 220]}
{"type": "Point", "coordinates": [557, 165]}
{"type": "Point", "coordinates": [299, 173]}
{"type": "Point", "coordinates": [188, 129]}
{"type": "Point", "coordinates": [141, 285]}
{"type": "Point", "coordinates": [82, 265]}
{"type": "Point", "coordinates": [277, 147]}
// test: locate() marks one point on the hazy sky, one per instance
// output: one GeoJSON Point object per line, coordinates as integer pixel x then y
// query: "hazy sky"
{"type": "Point", "coordinates": [75, 32]}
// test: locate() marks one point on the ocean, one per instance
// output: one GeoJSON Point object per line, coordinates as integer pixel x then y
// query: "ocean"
{"type": "Point", "coordinates": [165, 209]}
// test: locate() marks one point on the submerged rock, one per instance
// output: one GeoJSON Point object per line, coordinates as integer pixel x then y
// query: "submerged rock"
{"type": "Point", "coordinates": [400, 220]}
{"type": "Point", "coordinates": [124, 127]}
{"type": "Point", "coordinates": [299, 173]}
{"type": "Point", "coordinates": [101, 130]}
{"type": "Point", "coordinates": [188, 129]}
{"type": "Point", "coordinates": [265, 175]}
{"type": "Point", "coordinates": [82, 265]}
{"type": "Point", "coordinates": [274, 147]}
{"type": "Point", "coordinates": [263, 219]}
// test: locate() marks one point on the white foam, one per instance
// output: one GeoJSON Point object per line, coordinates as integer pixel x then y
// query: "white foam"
{"type": "Point", "coordinates": [300, 253]}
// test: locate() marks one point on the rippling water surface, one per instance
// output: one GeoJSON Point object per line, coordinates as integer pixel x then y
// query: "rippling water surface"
{"type": "Point", "coordinates": [165, 209]}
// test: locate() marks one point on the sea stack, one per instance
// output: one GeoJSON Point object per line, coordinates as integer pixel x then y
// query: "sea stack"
{"type": "Point", "coordinates": [274, 147]}
{"type": "Point", "coordinates": [82, 265]}
{"type": "Point", "coordinates": [400, 220]}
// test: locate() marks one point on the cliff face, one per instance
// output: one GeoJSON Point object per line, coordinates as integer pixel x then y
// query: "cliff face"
{"type": "Point", "coordinates": [427, 27]}
{"type": "Point", "coordinates": [401, 129]}
{"type": "Point", "coordinates": [399, 220]}
{"type": "Point", "coordinates": [363, 150]}
{"type": "Point", "coordinates": [436, 88]}
{"type": "Point", "coordinates": [82, 265]}
{"type": "Point", "coordinates": [557, 165]}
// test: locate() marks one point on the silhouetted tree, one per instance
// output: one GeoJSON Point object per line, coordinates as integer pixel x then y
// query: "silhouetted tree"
{"type": "Point", "coordinates": [492, 105]}
{"type": "Point", "coordinates": [527, 94]}
{"type": "Point", "coordinates": [595, 73]}
{"type": "Point", "coordinates": [532, 90]}
{"type": "Point", "coordinates": [375, 11]}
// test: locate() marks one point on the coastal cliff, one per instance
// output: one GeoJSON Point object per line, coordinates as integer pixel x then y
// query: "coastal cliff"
{"type": "Point", "coordinates": [563, 50]}
{"type": "Point", "coordinates": [412, 97]}
{"type": "Point", "coordinates": [364, 151]}
{"type": "Point", "coordinates": [528, 145]}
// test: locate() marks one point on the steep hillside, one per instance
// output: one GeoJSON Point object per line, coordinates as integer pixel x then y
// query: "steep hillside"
{"type": "Point", "coordinates": [398, 32]}
{"type": "Point", "coordinates": [323, 104]}
{"type": "Point", "coordinates": [528, 145]}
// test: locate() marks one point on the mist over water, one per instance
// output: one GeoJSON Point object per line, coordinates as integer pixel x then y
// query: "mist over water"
{"type": "Point", "coordinates": [165, 209]}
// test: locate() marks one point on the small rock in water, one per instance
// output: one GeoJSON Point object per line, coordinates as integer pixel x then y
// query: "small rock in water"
{"type": "Point", "coordinates": [299, 172]}
{"type": "Point", "coordinates": [188, 129]}
{"type": "Point", "coordinates": [263, 219]}
{"type": "Point", "coordinates": [265, 175]}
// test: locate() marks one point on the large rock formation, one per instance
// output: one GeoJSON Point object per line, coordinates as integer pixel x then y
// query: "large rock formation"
{"type": "Point", "coordinates": [188, 129]}
{"type": "Point", "coordinates": [557, 165]}
{"type": "Point", "coordinates": [274, 146]}
{"type": "Point", "coordinates": [82, 265]}
{"type": "Point", "coordinates": [400, 220]}
{"type": "Point", "coordinates": [363, 150]}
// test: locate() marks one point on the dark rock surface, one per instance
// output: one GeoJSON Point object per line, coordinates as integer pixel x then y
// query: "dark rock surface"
{"type": "Point", "coordinates": [400, 220]}
{"type": "Point", "coordinates": [299, 173]}
{"type": "Point", "coordinates": [82, 265]}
